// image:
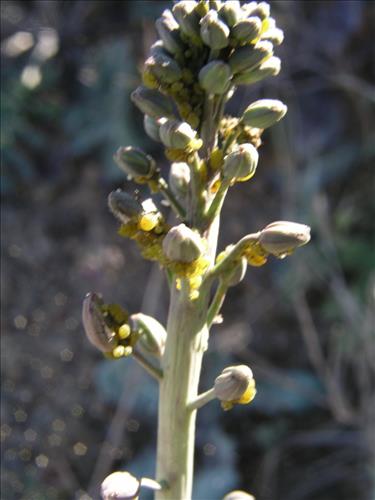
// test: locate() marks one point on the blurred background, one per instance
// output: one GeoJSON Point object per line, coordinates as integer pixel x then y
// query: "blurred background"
{"type": "Point", "coordinates": [305, 325]}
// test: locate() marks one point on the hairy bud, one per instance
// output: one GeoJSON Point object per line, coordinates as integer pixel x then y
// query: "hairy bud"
{"type": "Point", "coordinates": [120, 486]}
{"type": "Point", "coordinates": [238, 495]}
{"type": "Point", "coordinates": [96, 329]}
{"type": "Point", "coordinates": [214, 32]}
{"type": "Point", "coordinates": [187, 18]}
{"type": "Point", "coordinates": [163, 67]}
{"type": "Point", "coordinates": [179, 179]}
{"type": "Point", "coordinates": [169, 32]}
{"type": "Point", "coordinates": [264, 113]}
{"type": "Point", "coordinates": [134, 162]}
{"type": "Point", "coordinates": [241, 164]}
{"type": "Point", "coordinates": [181, 244]}
{"type": "Point", "coordinates": [152, 127]}
{"type": "Point", "coordinates": [152, 333]}
{"type": "Point", "coordinates": [176, 135]}
{"type": "Point", "coordinates": [231, 12]}
{"type": "Point", "coordinates": [152, 103]}
{"type": "Point", "coordinates": [274, 35]}
{"type": "Point", "coordinates": [261, 10]}
{"type": "Point", "coordinates": [250, 56]}
{"type": "Point", "coordinates": [271, 67]}
{"type": "Point", "coordinates": [123, 206]}
{"type": "Point", "coordinates": [235, 385]}
{"type": "Point", "coordinates": [247, 30]}
{"type": "Point", "coordinates": [215, 77]}
{"type": "Point", "coordinates": [282, 237]}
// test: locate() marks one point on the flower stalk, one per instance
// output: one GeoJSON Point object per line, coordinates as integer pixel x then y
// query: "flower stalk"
{"type": "Point", "coordinates": [205, 50]}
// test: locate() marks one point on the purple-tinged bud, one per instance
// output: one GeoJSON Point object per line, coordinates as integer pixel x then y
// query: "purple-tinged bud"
{"type": "Point", "coordinates": [96, 329]}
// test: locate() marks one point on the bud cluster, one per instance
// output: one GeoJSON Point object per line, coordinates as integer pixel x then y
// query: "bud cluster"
{"type": "Point", "coordinates": [204, 48]}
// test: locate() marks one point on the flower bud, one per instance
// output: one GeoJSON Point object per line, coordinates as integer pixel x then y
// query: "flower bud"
{"type": "Point", "coordinates": [264, 113]}
{"type": "Point", "coordinates": [282, 237]}
{"type": "Point", "coordinates": [169, 32]}
{"type": "Point", "coordinates": [163, 67]}
{"type": "Point", "coordinates": [187, 18]}
{"type": "Point", "coordinates": [214, 32]}
{"type": "Point", "coordinates": [96, 329]}
{"type": "Point", "coordinates": [247, 30]}
{"type": "Point", "coordinates": [134, 162]}
{"type": "Point", "coordinates": [152, 127]}
{"type": "Point", "coordinates": [152, 333]}
{"type": "Point", "coordinates": [179, 179]}
{"type": "Point", "coordinates": [176, 135]}
{"type": "Point", "coordinates": [241, 164]}
{"type": "Point", "coordinates": [181, 244]}
{"type": "Point", "coordinates": [271, 67]}
{"type": "Point", "coordinates": [231, 12]}
{"type": "Point", "coordinates": [250, 56]}
{"type": "Point", "coordinates": [261, 10]}
{"type": "Point", "coordinates": [235, 385]}
{"type": "Point", "coordinates": [237, 273]}
{"type": "Point", "coordinates": [238, 495]}
{"type": "Point", "coordinates": [274, 35]}
{"type": "Point", "coordinates": [123, 206]}
{"type": "Point", "coordinates": [120, 486]}
{"type": "Point", "coordinates": [215, 77]}
{"type": "Point", "coordinates": [152, 103]}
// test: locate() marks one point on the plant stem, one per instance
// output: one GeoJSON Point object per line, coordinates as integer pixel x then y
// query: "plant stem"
{"type": "Point", "coordinates": [201, 400]}
{"type": "Point", "coordinates": [186, 342]}
{"type": "Point", "coordinates": [216, 303]}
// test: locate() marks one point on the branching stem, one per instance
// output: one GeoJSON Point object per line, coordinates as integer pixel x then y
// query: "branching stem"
{"type": "Point", "coordinates": [216, 303]}
{"type": "Point", "coordinates": [201, 400]}
{"type": "Point", "coordinates": [168, 195]}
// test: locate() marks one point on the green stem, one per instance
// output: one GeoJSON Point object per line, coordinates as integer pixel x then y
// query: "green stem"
{"type": "Point", "coordinates": [235, 253]}
{"type": "Point", "coordinates": [155, 372]}
{"type": "Point", "coordinates": [168, 195]}
{"type": "Point", "coordinates": [186, 342]}
{"type": "Point", "coordinates": [216, 303]}
{"type": "Point", "coordinates": [216, 204]}
{"type": "Point", "coordinates": [196, 205]}
{"type": "Point", "coordinates": [201, 400]}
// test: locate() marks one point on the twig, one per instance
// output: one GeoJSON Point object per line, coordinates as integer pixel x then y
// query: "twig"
{"type": "Point", "coordinates": [216, 303]}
